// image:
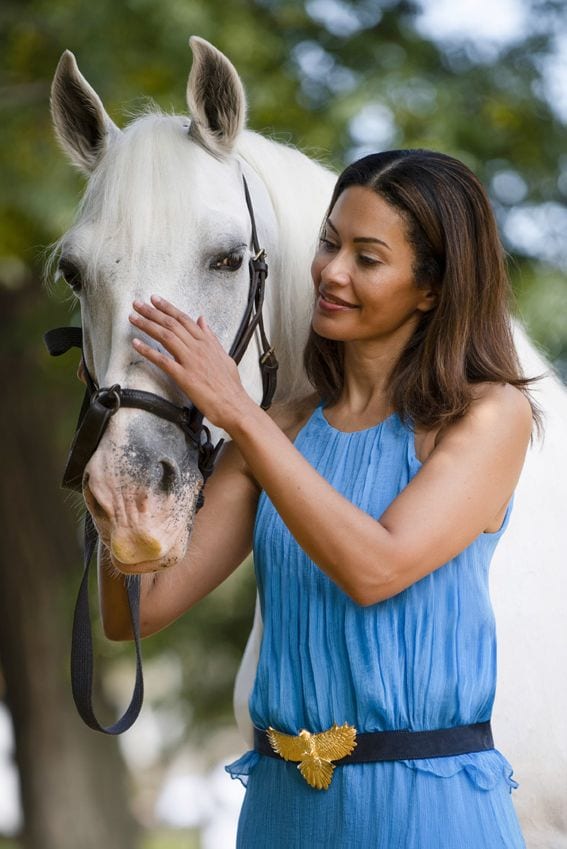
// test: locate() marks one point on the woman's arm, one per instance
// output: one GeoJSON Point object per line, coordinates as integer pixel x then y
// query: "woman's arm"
{"type": "Point", "coordinates": [466, 481]}
{"type": "Point", "coordinates": [464, 484]}
{"type": "Point", "coordinates": [220, 541]}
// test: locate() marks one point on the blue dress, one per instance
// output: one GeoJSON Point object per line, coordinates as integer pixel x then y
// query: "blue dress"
{"type": "Point", "coordinates": [421, 660]}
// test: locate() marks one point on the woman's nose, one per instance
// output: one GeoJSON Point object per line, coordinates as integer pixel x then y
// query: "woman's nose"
{"type": "Point", "coordinates": [336, 270]}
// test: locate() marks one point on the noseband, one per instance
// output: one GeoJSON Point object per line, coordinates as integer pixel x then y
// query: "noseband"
{"type": "Point", "coordinates": [99, 405]}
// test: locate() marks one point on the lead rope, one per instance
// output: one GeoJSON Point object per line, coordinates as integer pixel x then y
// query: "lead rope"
{"type": "Point", "coordinates": [82, 667]}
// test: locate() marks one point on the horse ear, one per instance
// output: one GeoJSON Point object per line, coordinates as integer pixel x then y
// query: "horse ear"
{"type": "Point", "coordinates": [81, 123]}
{"type": "Point", "coordinates": [216, 99]}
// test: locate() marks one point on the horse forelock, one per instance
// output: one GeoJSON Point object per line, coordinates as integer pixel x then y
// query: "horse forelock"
{"type": "Point", "coordinates": [139, 194]}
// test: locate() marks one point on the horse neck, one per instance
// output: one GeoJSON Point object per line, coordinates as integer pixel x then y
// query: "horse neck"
{"type": "Point", "coordinates": [300, 190]}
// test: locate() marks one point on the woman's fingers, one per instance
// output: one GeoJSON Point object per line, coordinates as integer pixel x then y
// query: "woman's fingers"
{"type": "Point", "coordinates": [165, 330]}
{"type": "Point", "coordinates": [192, 356]}
{"type": "Point", "coordinates": [167, 364]}
{"type": "Point", "coordinates": [168, 309]}
{"type": "Point", "coordinates": [165, 337]}
{"type": "Point", "coordinates": [180, 325]}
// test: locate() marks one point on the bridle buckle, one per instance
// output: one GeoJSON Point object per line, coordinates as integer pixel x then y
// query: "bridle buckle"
{"type": "Point", "coordinates": [110, 394]}
{"type": "Point", "coordinates": [267, 355]}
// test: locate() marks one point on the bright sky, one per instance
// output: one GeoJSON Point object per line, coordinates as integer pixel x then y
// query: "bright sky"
{"type": "Point", "coordinates": [498, 21]}
{"type": "Point", "coordinates": [488, 25]}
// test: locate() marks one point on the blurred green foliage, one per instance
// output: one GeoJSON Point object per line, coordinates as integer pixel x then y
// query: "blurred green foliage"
{"type": "Point", "coordinates": [170, 840]}
{"type": "Point", "coordinates": [306, 83]}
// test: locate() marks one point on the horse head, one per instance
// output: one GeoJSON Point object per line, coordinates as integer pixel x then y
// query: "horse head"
{"type": "Point", "coordinates": [164, 211]}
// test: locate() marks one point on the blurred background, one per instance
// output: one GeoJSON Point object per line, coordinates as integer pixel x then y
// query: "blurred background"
{"type": "Point", "coordinates": [484, 81]}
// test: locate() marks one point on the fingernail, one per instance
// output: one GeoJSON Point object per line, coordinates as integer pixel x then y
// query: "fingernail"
{"type": "Point", "coordinates": [136, 343]}
{"type": "Point", "coordinates": [137, 304]}
{"type": "Point", "coordinates": [157, 299]}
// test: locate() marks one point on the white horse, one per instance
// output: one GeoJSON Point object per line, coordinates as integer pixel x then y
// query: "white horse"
{"type": "Point", "coordinates": [164, 211]}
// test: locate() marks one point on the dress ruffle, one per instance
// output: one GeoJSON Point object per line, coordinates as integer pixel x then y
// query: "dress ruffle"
{"type": "Point", "coordinates": [484, 769]}
{"type": "Point", "coordinates": [242, 767]}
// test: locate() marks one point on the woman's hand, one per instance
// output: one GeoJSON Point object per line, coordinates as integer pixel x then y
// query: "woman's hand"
{"type": "Point", "coordinates": [198, 364]}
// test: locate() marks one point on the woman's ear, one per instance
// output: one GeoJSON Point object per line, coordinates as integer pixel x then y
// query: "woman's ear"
{"type": "Point", "coordinates": [428, 300]}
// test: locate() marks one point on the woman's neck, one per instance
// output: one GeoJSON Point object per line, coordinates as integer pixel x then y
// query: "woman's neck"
{"type": "Point", "coordinates": [367, 368]}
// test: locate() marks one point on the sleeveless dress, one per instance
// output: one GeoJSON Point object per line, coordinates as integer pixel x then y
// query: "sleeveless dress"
{"type": "Point", "coordinates": [422, 660]}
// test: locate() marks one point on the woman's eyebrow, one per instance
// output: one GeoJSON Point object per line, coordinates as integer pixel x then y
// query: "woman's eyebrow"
{"type": "Point", "coordinates": [359, 238]}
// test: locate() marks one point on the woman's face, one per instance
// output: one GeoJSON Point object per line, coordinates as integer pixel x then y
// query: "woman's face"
{"type": "Point", "coordinates": [362, 272]}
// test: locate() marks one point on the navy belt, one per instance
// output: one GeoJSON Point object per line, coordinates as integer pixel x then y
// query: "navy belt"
{"type": "Point", "coordinates": [404, 745]}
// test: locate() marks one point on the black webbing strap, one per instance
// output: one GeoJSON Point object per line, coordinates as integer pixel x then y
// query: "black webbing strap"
{"type": "Point", "coordinates": [82, 646]}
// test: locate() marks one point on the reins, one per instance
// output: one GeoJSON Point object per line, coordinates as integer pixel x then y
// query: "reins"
{"type": "Point", "coordinates": [98, 406]}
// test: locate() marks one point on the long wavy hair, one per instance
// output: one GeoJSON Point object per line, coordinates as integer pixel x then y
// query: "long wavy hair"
{"type": "Point", "coordinates": [467, 337]}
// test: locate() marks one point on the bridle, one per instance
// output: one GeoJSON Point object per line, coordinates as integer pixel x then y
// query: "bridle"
{"type": "Point", "coordinates": [98, 406]}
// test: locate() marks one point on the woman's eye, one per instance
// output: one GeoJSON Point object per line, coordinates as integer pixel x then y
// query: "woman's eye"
{"type": "Point", "coordinates": [368, 260]}
{"type": "Point", "coordinates": [71, 275]}
{"type": "Point", "coordinates": [229, 262]}
{"type": "Point", "coordinates": [326, 244]}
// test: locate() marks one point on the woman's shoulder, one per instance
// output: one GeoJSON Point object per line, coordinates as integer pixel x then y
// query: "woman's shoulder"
{"type": "Point", "coordinates": [487, 445]}
{"type": "Point", "coordinates": [495, 407]}
{"type": "Point", "coordinates": [290, 416]}
{"type": "Point", "coordinates": [501, 399]}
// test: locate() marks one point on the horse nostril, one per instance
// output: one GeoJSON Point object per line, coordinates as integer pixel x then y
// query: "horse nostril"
{"type": "Point", "coordinates": [168, 476]}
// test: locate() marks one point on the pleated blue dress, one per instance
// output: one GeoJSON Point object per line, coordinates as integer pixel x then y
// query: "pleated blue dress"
{"type": "Point", "coordinates": [422, 660]}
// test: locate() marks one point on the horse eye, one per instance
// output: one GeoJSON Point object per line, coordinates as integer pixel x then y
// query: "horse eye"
{"type": "Point", "coordinates": [229, 262]}
{"type": "Point", "coordinates": [70, 274]}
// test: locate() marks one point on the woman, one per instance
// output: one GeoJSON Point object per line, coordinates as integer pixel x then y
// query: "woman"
{"type": "Point", "coordinates": [373, 508]}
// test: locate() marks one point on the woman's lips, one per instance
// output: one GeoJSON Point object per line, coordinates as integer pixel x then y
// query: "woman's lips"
{"type": "Point", "coordinates": [332, 305]}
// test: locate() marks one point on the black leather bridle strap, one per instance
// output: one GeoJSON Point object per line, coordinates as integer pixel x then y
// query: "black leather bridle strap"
{"type": "Point", "coordinates": [82, 646]}
{"type": "Point", "coordinates": [253, 316]}
{"type": "Point", "coordinates": [61, 339]}
{"type": "Point", "coordinates": [85, 442]}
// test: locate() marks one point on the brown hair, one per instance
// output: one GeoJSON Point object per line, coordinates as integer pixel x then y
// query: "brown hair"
{"type": "Point", "coordinates": [467, 337]}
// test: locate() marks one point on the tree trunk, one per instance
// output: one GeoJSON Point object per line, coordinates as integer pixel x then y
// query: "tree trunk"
{"type": "Point", "coordinates": [73, 781]}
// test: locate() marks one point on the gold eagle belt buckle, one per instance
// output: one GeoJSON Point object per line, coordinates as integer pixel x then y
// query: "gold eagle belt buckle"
{"type": "Point", "coordinates": [315, 751]}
